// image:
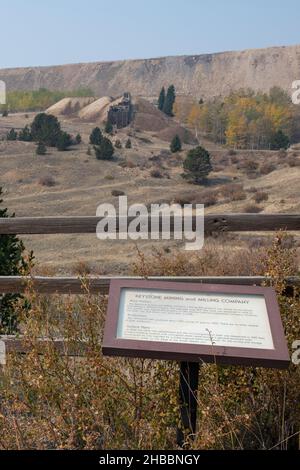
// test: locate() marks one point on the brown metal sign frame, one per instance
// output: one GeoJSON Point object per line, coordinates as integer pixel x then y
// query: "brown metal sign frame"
{"type": "Point", "coordinates": [274, 358]}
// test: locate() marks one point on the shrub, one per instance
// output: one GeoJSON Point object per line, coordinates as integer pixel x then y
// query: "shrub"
{"type": "Point", "coordinates": [197, 165]}
{"type": "Point", "coordinates": [96, 136]}
{"type": "Point", "coordinates": [12, 263]}
{"type": "Point", "coordinates": [249, 165]}
{"type": "Point", "coordinates": [45, 128]}
{"type": "Point", "coordinates": [41, 149]}
{"type": "Point", "coordinates": [25, 134]}
{"type": "Point", "coordinates": [5, 111]}
{"type": "Point", "coordinates": [12, 135]}
{"type": "Point", "coordinates": [279, 140]}
{"type": "Point", "coordinates": [293, 162]}
{"type": "Point", "coordinates": [109, 177]}
{"type": "Point", "coordinates": [267, 168]}
{"type": "Point", "coordinates": [128, 144]}
{"type": "Point", "coordinates": [234, 160]}
{"type": "Point", "coordinates": [117, 192]}
{"type": "Point", "coordinates": [105, 150]}
{"type": "Point", "coordinates": [118, 144]}
{"type": "Point", "coordinates": [233, 192]}
{"type": "Point", "coordinates": [252, 209]}
{"type": "Point", "coordinates": [156, 173]}
{"type": "Point", "coordinates": [108, 127]}
{"type": "Point", "coordinates": [78, 139]}
{"type": "Point", "coordinates": [175, 145]}
{"type": "Point", "coordinates": [48, 181]}
{"type": "Point", "coordinates": [63, 141]}
{"type": "Point", "coordinates": [260, 196]}
{"type": "Point", "coordinates": [231, 152]}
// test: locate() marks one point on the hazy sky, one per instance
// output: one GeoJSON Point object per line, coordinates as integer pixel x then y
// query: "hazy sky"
{"type": "Point", "coordinates": [35, 32]}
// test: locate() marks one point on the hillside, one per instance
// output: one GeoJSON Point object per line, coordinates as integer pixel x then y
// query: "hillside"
{"type": "Point", "coordinates": [74, 183]}
{"type": "Point", "coordinates": [206, 75]}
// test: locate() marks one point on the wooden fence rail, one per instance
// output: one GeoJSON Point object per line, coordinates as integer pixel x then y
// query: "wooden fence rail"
{"type": "Point", "coordinates": [100, 285]}
{"type": "Point", "coordinates": [212, 223]}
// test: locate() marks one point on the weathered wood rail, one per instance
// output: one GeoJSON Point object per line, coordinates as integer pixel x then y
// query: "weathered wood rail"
{"type": "Point", "coordinates": [100, 285]}
{"type": "Point", "coordinates": [212, 223]}
{"type": "Point", "coordinates": [96, 285]}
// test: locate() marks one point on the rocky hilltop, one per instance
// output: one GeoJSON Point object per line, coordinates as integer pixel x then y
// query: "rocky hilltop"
{"type": "Point", "coordinates": [206, 75]}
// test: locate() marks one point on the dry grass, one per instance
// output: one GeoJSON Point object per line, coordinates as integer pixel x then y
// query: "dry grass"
{"type": "Point", "coordinates": [51, 401]}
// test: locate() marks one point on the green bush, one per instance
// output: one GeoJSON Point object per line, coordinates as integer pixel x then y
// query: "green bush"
{"type": "Point", "coordinates": [41, 149]}
{"type": "Point", "coordinates": [105, 150]}
{"type": "Point", "coordinates": [12, 135]}
{"type": "Point", "coordinates": [12, 263]}
{"type": "Point", "coordinates": [45, 128]}
{"type": "Point", "coordinates": [63, 141]}
{"type": "Point", "coordinates": [197, 165]}
{"type": "Point", "coordinates": [96, 136]}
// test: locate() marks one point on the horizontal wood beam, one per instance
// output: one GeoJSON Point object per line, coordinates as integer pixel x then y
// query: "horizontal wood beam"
{"type": "Point", "coordinates": [100, 285]}
{"type": "Point", "coordinates": [12, 344]}
{"type": "Point", "coordinates": [213, 223]}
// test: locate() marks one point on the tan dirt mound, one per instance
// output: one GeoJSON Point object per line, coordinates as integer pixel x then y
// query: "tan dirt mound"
{"type": "Point", "coordinates": [69, 106]}
{"type": "Point", "coordinates": [148, 118]}
{"type": "Point", "coordinates": [185, 135]}
{"type": "Point", "coordinates": [96, 110]}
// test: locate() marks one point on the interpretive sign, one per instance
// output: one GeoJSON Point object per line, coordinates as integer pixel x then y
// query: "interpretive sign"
{"type": "Point", "coordinates": [195, 323]}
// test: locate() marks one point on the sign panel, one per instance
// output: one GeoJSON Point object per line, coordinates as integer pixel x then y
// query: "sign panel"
{"type": "Point", "coordinates": [195, 322]}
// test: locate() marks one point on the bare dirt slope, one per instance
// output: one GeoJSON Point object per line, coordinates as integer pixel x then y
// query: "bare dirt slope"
{"type": "Point", "coordinates": [205, 75]}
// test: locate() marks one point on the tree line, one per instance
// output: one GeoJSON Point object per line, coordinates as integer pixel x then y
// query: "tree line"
{"type": "Point", "coordinates": [245, 119]}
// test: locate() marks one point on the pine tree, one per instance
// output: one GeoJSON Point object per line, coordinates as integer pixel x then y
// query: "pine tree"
{"type": "Point", "coordinates": [105, 150]}
{"type": "Point", "coordinates": [12, 135]}
{"type": "Point", "coordinates": [25, 134]}
{"type": "Point", "coordinates": [45, 128]}
{"type": "Point", "coordinates": [108, 127]}
{"type": "Point", "coordinates": [161, 99]}
{"type": "Point", "coordinates": [169, 101]}
{"type": "Point", "coordinates": [279, 140]}
{"type": "Point", "coordinates": [128, 144]}
{"type": "Point", "coordinates": [96, 136]}
{"type": "Point", "coordinates": [175, 145]}
{"type": "Point", "coordinates": [197, 165]}
{"type": "Point", "coordinates": [78, 139]}
{"type": "Point", "coordinates": [41, 149]}
{"type": "Point", "coordinates": [63, 142]}
{"type": "Point", "coordinates": [12, 263]}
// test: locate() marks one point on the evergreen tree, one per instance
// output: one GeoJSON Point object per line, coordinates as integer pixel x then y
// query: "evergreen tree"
{"type": "Point", "coordinates": [105, 150]}
{"type": "Point", "coordinates": [5, 111]}
{"type": "Point", "coordinates": [197, 165]}
{"type": "Point", "coordinates": [12, 263]}
{"type": "Point", "coordinates": [169, 101]}
{"type": "Point", "coordinates": [78, 139]}
{"type": "Point", "coordinates": [279, 140]}
{"type": "Point", "coordinates": [96, 136]}
{"type": "Point", "coordinates": [63, 141]}
{"type": "Point", "coordinates": [128, 144]}
{"type": "Point", "coordinates": [108, 127]}
{"type": "Point", "coordinates": [175, 145]}
{"type": "Point", "coordinates": [25, 134]}
{"type": "Point", "coordinates": [41, 149]}
{"type": "Point", "coordinates": [12, 135]}
{"type": "Point", "coordinates": [161, 99]}
{"type": "Point", "coordinates": [45, 128]}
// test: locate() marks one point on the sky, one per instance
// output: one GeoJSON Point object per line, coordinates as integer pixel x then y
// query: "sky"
{"type": "Point", "coordinates": [35, 32]}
